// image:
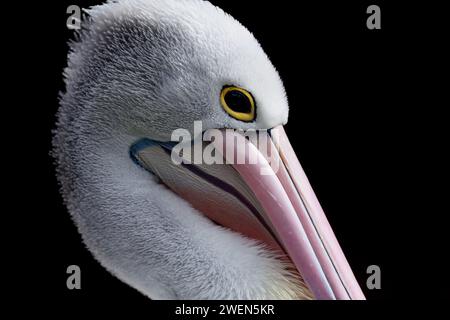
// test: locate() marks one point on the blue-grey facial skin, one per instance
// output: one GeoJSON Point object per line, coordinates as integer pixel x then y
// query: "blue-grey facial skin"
{"type": "Point", "coordinates": [141, 69]}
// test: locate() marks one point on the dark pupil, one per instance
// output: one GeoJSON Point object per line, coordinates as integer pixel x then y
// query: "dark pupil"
{"type": "Point", "coordinates": [238, 102]}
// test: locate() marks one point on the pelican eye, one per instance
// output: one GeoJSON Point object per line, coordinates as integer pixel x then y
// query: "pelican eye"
{"type": "Point", "coordinates": [238, 103]}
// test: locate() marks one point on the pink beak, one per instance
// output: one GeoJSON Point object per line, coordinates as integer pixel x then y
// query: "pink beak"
{"type": "Point", "coordinates": [296, 215]}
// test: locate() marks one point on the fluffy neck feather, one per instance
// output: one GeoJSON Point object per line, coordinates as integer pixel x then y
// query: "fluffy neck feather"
{"type": "Point", "coordinates": [147, 236]}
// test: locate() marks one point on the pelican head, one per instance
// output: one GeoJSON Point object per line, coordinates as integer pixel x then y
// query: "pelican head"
{"type": "Point", "coordinates": [138, 71]}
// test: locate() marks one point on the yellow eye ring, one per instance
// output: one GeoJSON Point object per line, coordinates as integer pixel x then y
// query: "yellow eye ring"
{"type": "Point", "coordinates": [238, 103]}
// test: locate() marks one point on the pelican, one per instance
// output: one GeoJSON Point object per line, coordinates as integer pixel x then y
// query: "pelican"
{"type": "Point", "coordinates": [140, 70]}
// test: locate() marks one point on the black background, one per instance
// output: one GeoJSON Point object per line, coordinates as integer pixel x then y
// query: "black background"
{"type": "Point", "coordinates": [364, 118]}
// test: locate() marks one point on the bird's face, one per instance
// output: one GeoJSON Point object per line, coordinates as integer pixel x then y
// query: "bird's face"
{"type": "Point", "coordinates": [173, 69]}
{"type": "Point", "coordinates": [169, 66]}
